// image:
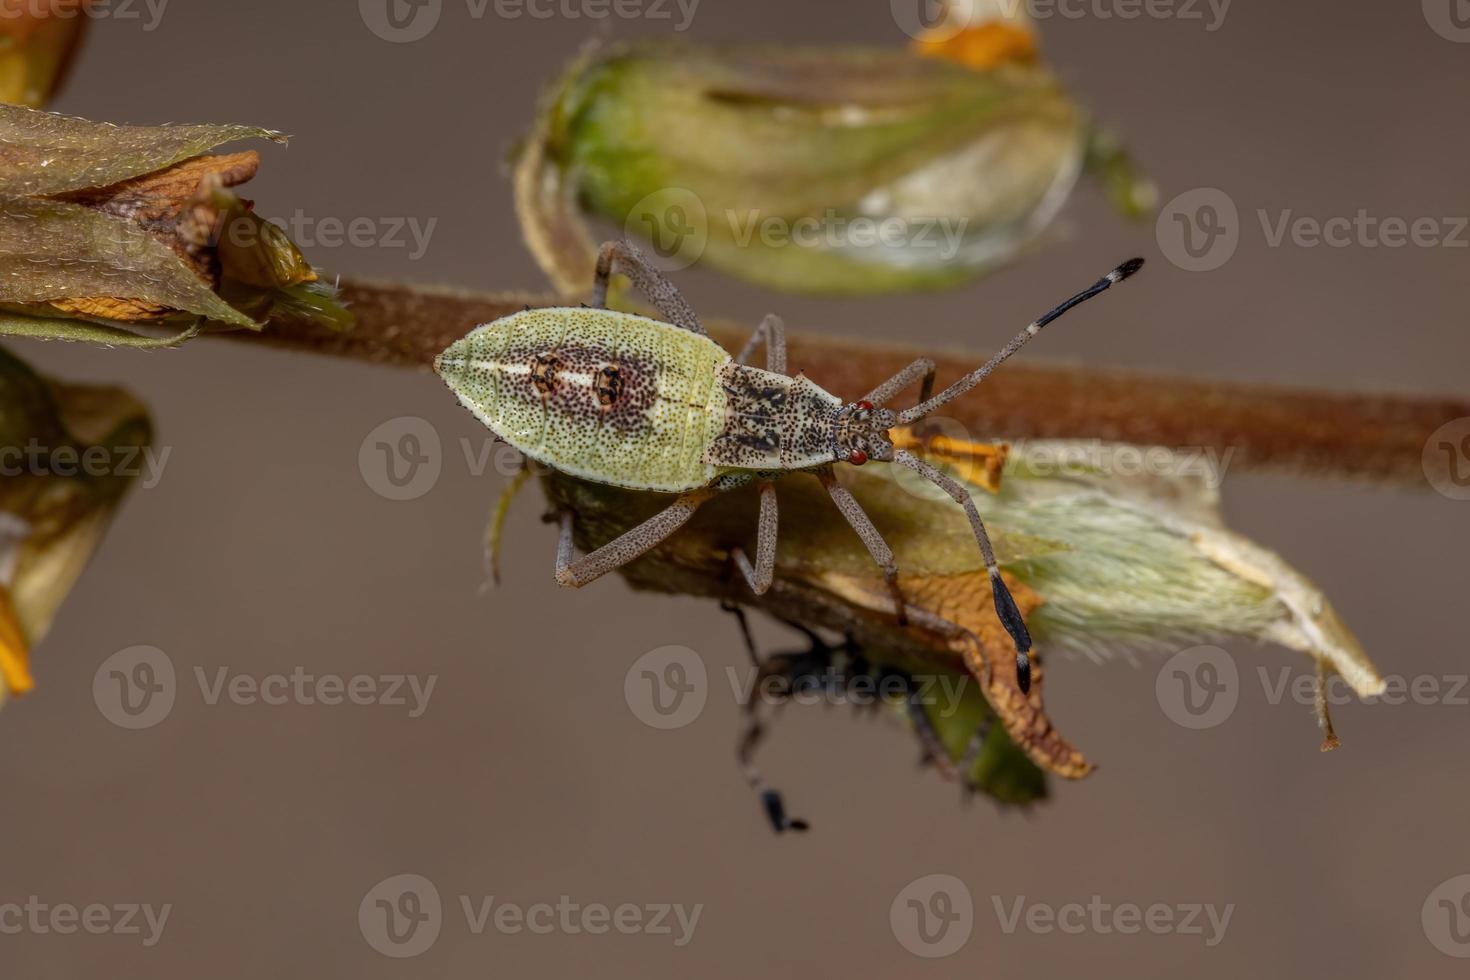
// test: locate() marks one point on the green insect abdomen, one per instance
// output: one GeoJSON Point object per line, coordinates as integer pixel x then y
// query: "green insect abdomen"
{"type": "Point", "coordinates": [606, 396]}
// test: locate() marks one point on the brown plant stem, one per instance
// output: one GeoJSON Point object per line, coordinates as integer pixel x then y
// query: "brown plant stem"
{"type": "Point", "coordinates": [1380, 437]}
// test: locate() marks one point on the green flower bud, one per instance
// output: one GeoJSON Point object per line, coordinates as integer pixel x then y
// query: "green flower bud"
{"type": "Point", "coordinates": [826, 170]}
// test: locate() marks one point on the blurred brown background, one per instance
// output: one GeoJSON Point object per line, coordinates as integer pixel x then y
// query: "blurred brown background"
{"type": "Point", "coordinates": [528, 778]}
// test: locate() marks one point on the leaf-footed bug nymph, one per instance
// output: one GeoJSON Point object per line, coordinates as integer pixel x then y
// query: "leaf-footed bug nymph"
{"type": "Point", "coordinates": [626, 400]}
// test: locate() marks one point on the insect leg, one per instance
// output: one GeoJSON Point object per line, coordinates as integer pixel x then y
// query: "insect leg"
{"type": "Point", "coordinates": [923, 725]}
{"type": "Point", "coordinates": [922, 368]}
{"type": "Point", "coordinates": [496, 529]}
{"type": "Point", "coordinates": [786, 667]}
{"type": "Point", "coordinates": [759, 577]}
{"type": "Point", "coordinates": [863, 525]}
{"type": "Point", "coordinates": [649, 281]}
{"type": "Point", "coordinates": [773, 331]}
{"type": "Point", "coordinates": [629, 545]}
{"type": "Point", "coordinates": [1005, 606]}
{"type": "Point", "coordinates": [973, 749]}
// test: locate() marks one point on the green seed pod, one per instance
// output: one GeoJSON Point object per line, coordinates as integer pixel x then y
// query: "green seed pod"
{"type": "Point", "coordinates": [825, 170]}
{"type": "Point", "coordinates": [68, 454]}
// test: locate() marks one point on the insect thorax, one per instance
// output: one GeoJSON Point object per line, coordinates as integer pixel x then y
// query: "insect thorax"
{"type": "Point", "coordinates": [773, 422]}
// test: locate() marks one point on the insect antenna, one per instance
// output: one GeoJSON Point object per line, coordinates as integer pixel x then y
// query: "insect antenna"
{"type": "Point", "coordinates": [1032, 329]}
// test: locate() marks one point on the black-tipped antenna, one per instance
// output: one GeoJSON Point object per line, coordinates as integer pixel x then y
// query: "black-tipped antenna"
{"type": "Point", "coordinates": [1032, 329]}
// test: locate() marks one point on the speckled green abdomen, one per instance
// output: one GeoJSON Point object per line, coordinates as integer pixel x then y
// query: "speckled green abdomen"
{"type": "Point", "coordinates": [603, 395]}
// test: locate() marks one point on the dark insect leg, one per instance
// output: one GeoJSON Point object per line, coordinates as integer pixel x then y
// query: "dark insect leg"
{"type": "Point", "coordinates": [922, 368]}
{"type": "Point", "coordinates": [1032, 329]}
{"type": "Point", "coordinates": [773, 331]}
{"type": "Point", "coordinates": [649, 281]}
{"type": "Point", "coordinates": [933, 748]}
{"type": "Point", "coordinates": [629, 545]}
{"type": "Point", "coordinates": [1005, 606]}
{"type": "Point", "coordinates": [759, 576]}
{"type": "Point", "coordinates": [755, 731]}
{"type": "Point", "coordinates": [877, 547]}
{"type": "Point", "coordinates": [743, 621]}
{"type": "Point", "coordinates": [973, 749]}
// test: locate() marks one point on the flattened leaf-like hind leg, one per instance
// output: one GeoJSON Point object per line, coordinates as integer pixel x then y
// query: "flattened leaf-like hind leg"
{"type": "Point", "coordinates": [627, 258]}
{"type": "Point", "coordinates": [872, 540]}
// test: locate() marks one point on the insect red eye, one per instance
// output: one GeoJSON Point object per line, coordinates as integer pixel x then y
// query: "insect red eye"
{"type": "Point", "coordinates": [857, 457]}
{"type": "Point", "coordinates": [864, 406]}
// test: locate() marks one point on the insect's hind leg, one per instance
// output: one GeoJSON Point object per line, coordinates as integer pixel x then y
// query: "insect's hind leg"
{"type": "Point", "coordinates": [863, 525]}
{"type": "Point", "coordinates": [631, 544]}
{"type": "Point", "coordinates": [652, 283]}
{"type": "Point", "coordinates": [773, 331]}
